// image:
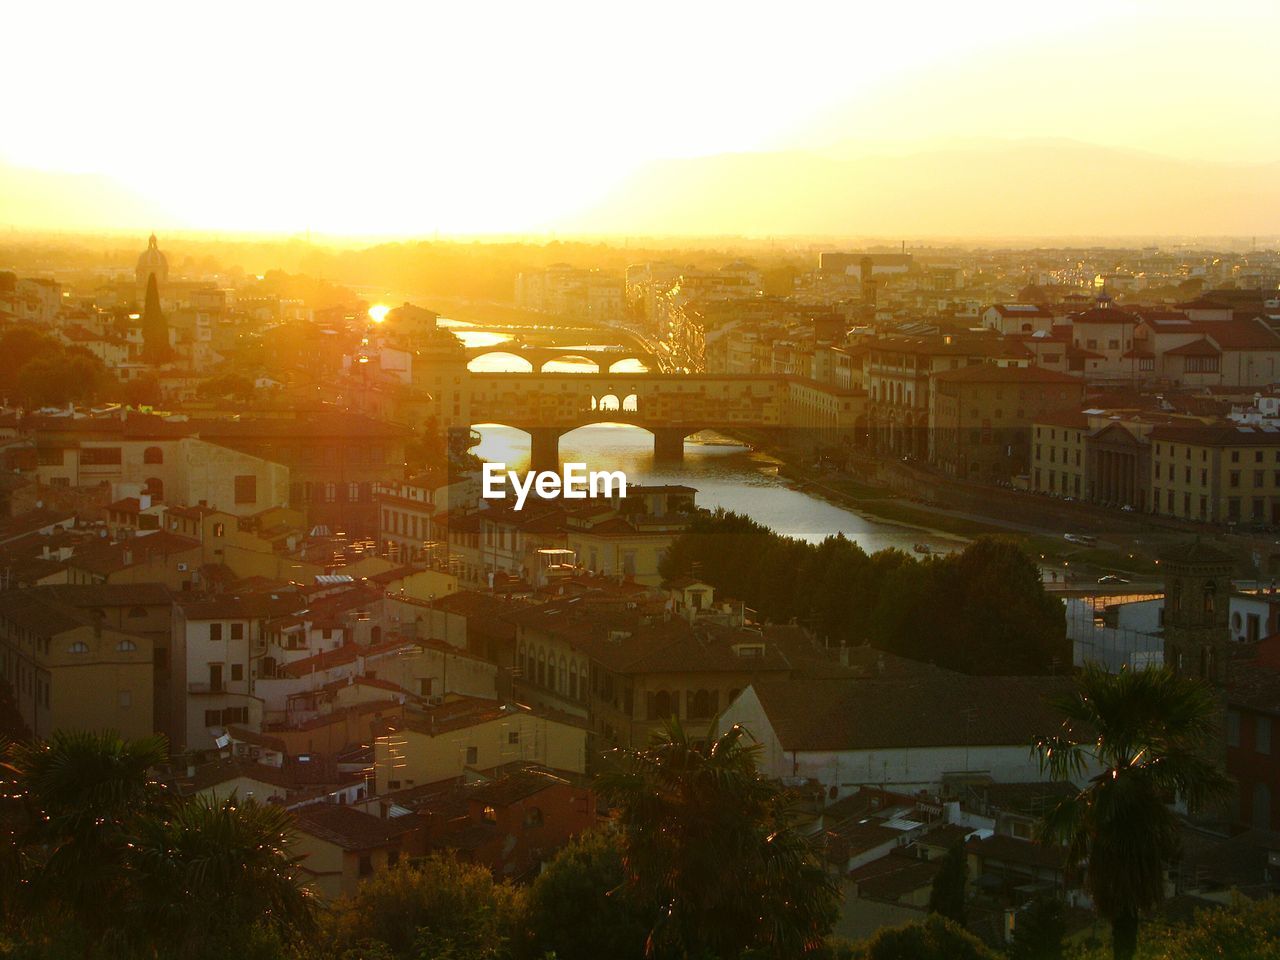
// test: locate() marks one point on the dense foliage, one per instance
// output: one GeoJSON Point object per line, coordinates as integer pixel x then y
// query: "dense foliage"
{"type": "Point", "coordinates": [707, 844]}
{"type": "Point", "coordinates": [99, 860]}
{"type": "Point", "coordinates": [1138, 739]}
{"type": "Point", "coordinates": [36, 370]}
{"type": "Point", "coordinates": [982, 611]}
{"type": "Point", "coordinates": [580, 908]}
{"type": "Point", "coordinates": [946, 896]}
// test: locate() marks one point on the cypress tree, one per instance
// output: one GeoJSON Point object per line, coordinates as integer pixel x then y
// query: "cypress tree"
{"type": "Point", "coordinates": [155, 329]}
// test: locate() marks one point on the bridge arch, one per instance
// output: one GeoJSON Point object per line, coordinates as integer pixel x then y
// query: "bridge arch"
{"type": "Point", "coordinates": [564, 357]}
{"type": "Point", "coordinates": [639, 361]}
{"type": "Point", "coordinates": [527, 365]}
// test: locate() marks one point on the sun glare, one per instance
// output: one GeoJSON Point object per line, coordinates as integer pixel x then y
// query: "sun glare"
{"type": "Point", "coordinates": [378, 312]}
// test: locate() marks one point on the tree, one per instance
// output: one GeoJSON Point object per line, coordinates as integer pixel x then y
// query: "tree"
{"type": "Point", "coordinates": [439, 908]}
{"type": "Point", "coordinates": [946, 896]}
{"type": "Point", "coordinates": [579, 908]}
{"type": "Point", "coordinates": [76, 793]}
{"type": "Point", "coordinates": [935, 939]}
{"type": "Point", "coordinates": [213, 874]}
{"type": "Point", "coordinates": [155, 329]}
{"type": "Point", "coordinates": [1039, 930]}
{"type": "Point", "coordinates": [706, 842]}
{"type": "Point", "coordinates": [1145, 732]}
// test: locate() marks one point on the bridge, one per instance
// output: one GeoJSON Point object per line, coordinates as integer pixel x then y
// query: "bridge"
{"type": "Point", "coordinates": [670, 406]}
{"type": "Point", "coordinates": [539, 356]}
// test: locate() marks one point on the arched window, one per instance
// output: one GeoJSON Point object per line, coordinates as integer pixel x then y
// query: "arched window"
{"type": "Point", "coordinates": [631, 403]}
{"type": "Point", "coordinates": [661, 705]}
{"type": "Point", "coordinates": [78, 647]}
{"type": "Point", "coordinates": [126, 646]}
{"type": "Point", "coordinates": [154, 488]}
{"type": "Point", "coordinates": [573, 679]}
{"type": "Point", "coordinates": [609, 402]}
{"type": "Point", "coordinates": [563, 685]}
{"type": "Point", "coordinates": [542, 667]}
{"type": "Point", "coordinates": [1209, 597]}
{"type": "Point", "coordinates": [153, 455]}
{"type": "Point", "coordinates": [375, 635]}
{"type": "Point", "coordinates": [700, 705]}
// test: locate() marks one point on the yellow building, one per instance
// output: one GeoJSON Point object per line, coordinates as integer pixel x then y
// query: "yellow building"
{"type": "Point", "coordinates": [1058, 463]}
{"type": "Point", "coordinates": [341, 846]}
{"type": "Point", "coordinates": [1221, 474]}
{"type": "Point", "coordinates": [69, 671]}
{"type": "Point", "coordinates": [469, 733]}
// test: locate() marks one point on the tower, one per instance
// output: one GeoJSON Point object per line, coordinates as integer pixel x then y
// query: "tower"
{"type": "Point", "coordinates": [1197, 599]}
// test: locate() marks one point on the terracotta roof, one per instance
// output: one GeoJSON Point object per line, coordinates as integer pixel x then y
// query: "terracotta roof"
{"type": "Point", "coordinates": [990, 373]}
{"type": "Point", "coordinates": [949, 710]}
{"type": "Point", "coordinates": [1196, 348]}
{"type": "Point", "coordinates": [349, 828]}
{"type": "Point", "coordinates": [1006, 849]}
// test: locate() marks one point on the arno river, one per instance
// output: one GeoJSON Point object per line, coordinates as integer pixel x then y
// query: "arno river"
{"type": "Point", "coordinates": [726, 474]}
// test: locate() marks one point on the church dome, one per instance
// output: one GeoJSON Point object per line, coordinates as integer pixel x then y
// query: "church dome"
{"type": "Point", "coordinates": [150, 261]}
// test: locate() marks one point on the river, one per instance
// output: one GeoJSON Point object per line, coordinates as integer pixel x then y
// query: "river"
{"type": "Point", "coordinates": [726, 473]}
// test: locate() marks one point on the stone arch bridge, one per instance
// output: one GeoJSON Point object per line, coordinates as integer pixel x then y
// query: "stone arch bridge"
{"type": "Point", "coordinates": [539, 357]}
{"type": "Point", "coordinates": [669, 406]}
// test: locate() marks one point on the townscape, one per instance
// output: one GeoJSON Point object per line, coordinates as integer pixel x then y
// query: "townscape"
{"type": "Point", "coordinates": [251, 523]}
{"type": "Point", "coordinates": [680, 481]}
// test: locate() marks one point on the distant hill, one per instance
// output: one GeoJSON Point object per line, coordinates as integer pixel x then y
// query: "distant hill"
{"type": "Point", "coordinates": [1031, 188]}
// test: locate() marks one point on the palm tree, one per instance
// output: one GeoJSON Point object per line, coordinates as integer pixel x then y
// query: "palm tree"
{"type": "Point", "coordinates": [74, 794]}
{"type": "Point", "coordinates": [707, 845]}
{"type": "Point", "coordinates": [1146, 733]}
{"type": "Point", "coordinates": [213, 871]}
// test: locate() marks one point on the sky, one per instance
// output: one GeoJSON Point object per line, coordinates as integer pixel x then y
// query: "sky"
{"type": "Point", "coordinates": [388, 118]}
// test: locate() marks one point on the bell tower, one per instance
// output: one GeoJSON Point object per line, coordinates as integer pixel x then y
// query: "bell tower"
{"type": "Point", "coordinates": [1197, 600]}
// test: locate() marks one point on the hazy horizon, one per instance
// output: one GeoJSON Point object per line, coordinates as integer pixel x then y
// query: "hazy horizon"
{"type": "Point", "coordinates": [701, 122]}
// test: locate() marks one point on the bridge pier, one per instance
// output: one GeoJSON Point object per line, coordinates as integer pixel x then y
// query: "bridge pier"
{"type": "Point", "coordinates": [668, 444]}
{"type": "Point", "coordinates": [544, 448]}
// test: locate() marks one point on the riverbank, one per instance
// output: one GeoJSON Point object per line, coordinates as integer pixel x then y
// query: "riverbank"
{"type": "Point", "coordinates": [1128, 556]}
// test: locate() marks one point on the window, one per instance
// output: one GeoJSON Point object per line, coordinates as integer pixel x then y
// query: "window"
{"type": "Point", "coordinates": [237, 671]}
{"type": "Point", "coordinates": [533, 817]}
{"type": "Point", "coordinates": [237, 631]}
{"type": "Point", "coordinates": [489, 814]}
{"type": "Point", "coordinates": [247, 489]}
{"type": "Point", "coordinates": [1262, 734]}
{"type": "Point", "coordinates": [366, 864]}
{"type": "Point", "coordinates": [78, 647]}
{"type": "Point", "coordinates": [153, 455]}
{"type": "Point", "coordinates": [212, 718]}
{"type": "Point", "coordinates": [473, 755]}
{"type": "Point", "coordinates": [126, 646]}
{"type": "Point", "coordinates": [215, 632]}
{"type": "Point", "coordinates": [99, 456]}
{"type": "Point", "coordinates": [513, 736]}
{"type": "Point", "coordinates": [125, 699]}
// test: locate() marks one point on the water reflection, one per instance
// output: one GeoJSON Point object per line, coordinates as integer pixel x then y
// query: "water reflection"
{"type": "Point", "coordinates": [726, 475]}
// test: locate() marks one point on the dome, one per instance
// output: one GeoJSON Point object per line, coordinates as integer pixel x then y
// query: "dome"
{"type": "Point", "coordinates": [150, 261]}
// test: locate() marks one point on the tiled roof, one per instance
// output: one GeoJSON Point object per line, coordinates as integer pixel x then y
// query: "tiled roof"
{"type": "Point", "coordinates": [349, 828]}
{"type": "Point", "coordinates": [990, 373]}
{"type": "Point", "coordinates": [1196, 348]}
{"type": "Point", "coordinates": [948, 710]}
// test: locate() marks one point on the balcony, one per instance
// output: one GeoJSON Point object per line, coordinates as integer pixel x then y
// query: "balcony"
{"type": "Point", "coordinates": [206, 687]}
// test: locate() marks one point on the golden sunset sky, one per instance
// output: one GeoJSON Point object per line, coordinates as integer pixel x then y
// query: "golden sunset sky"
{"type": "Point", "coordinates": [386, 118]}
